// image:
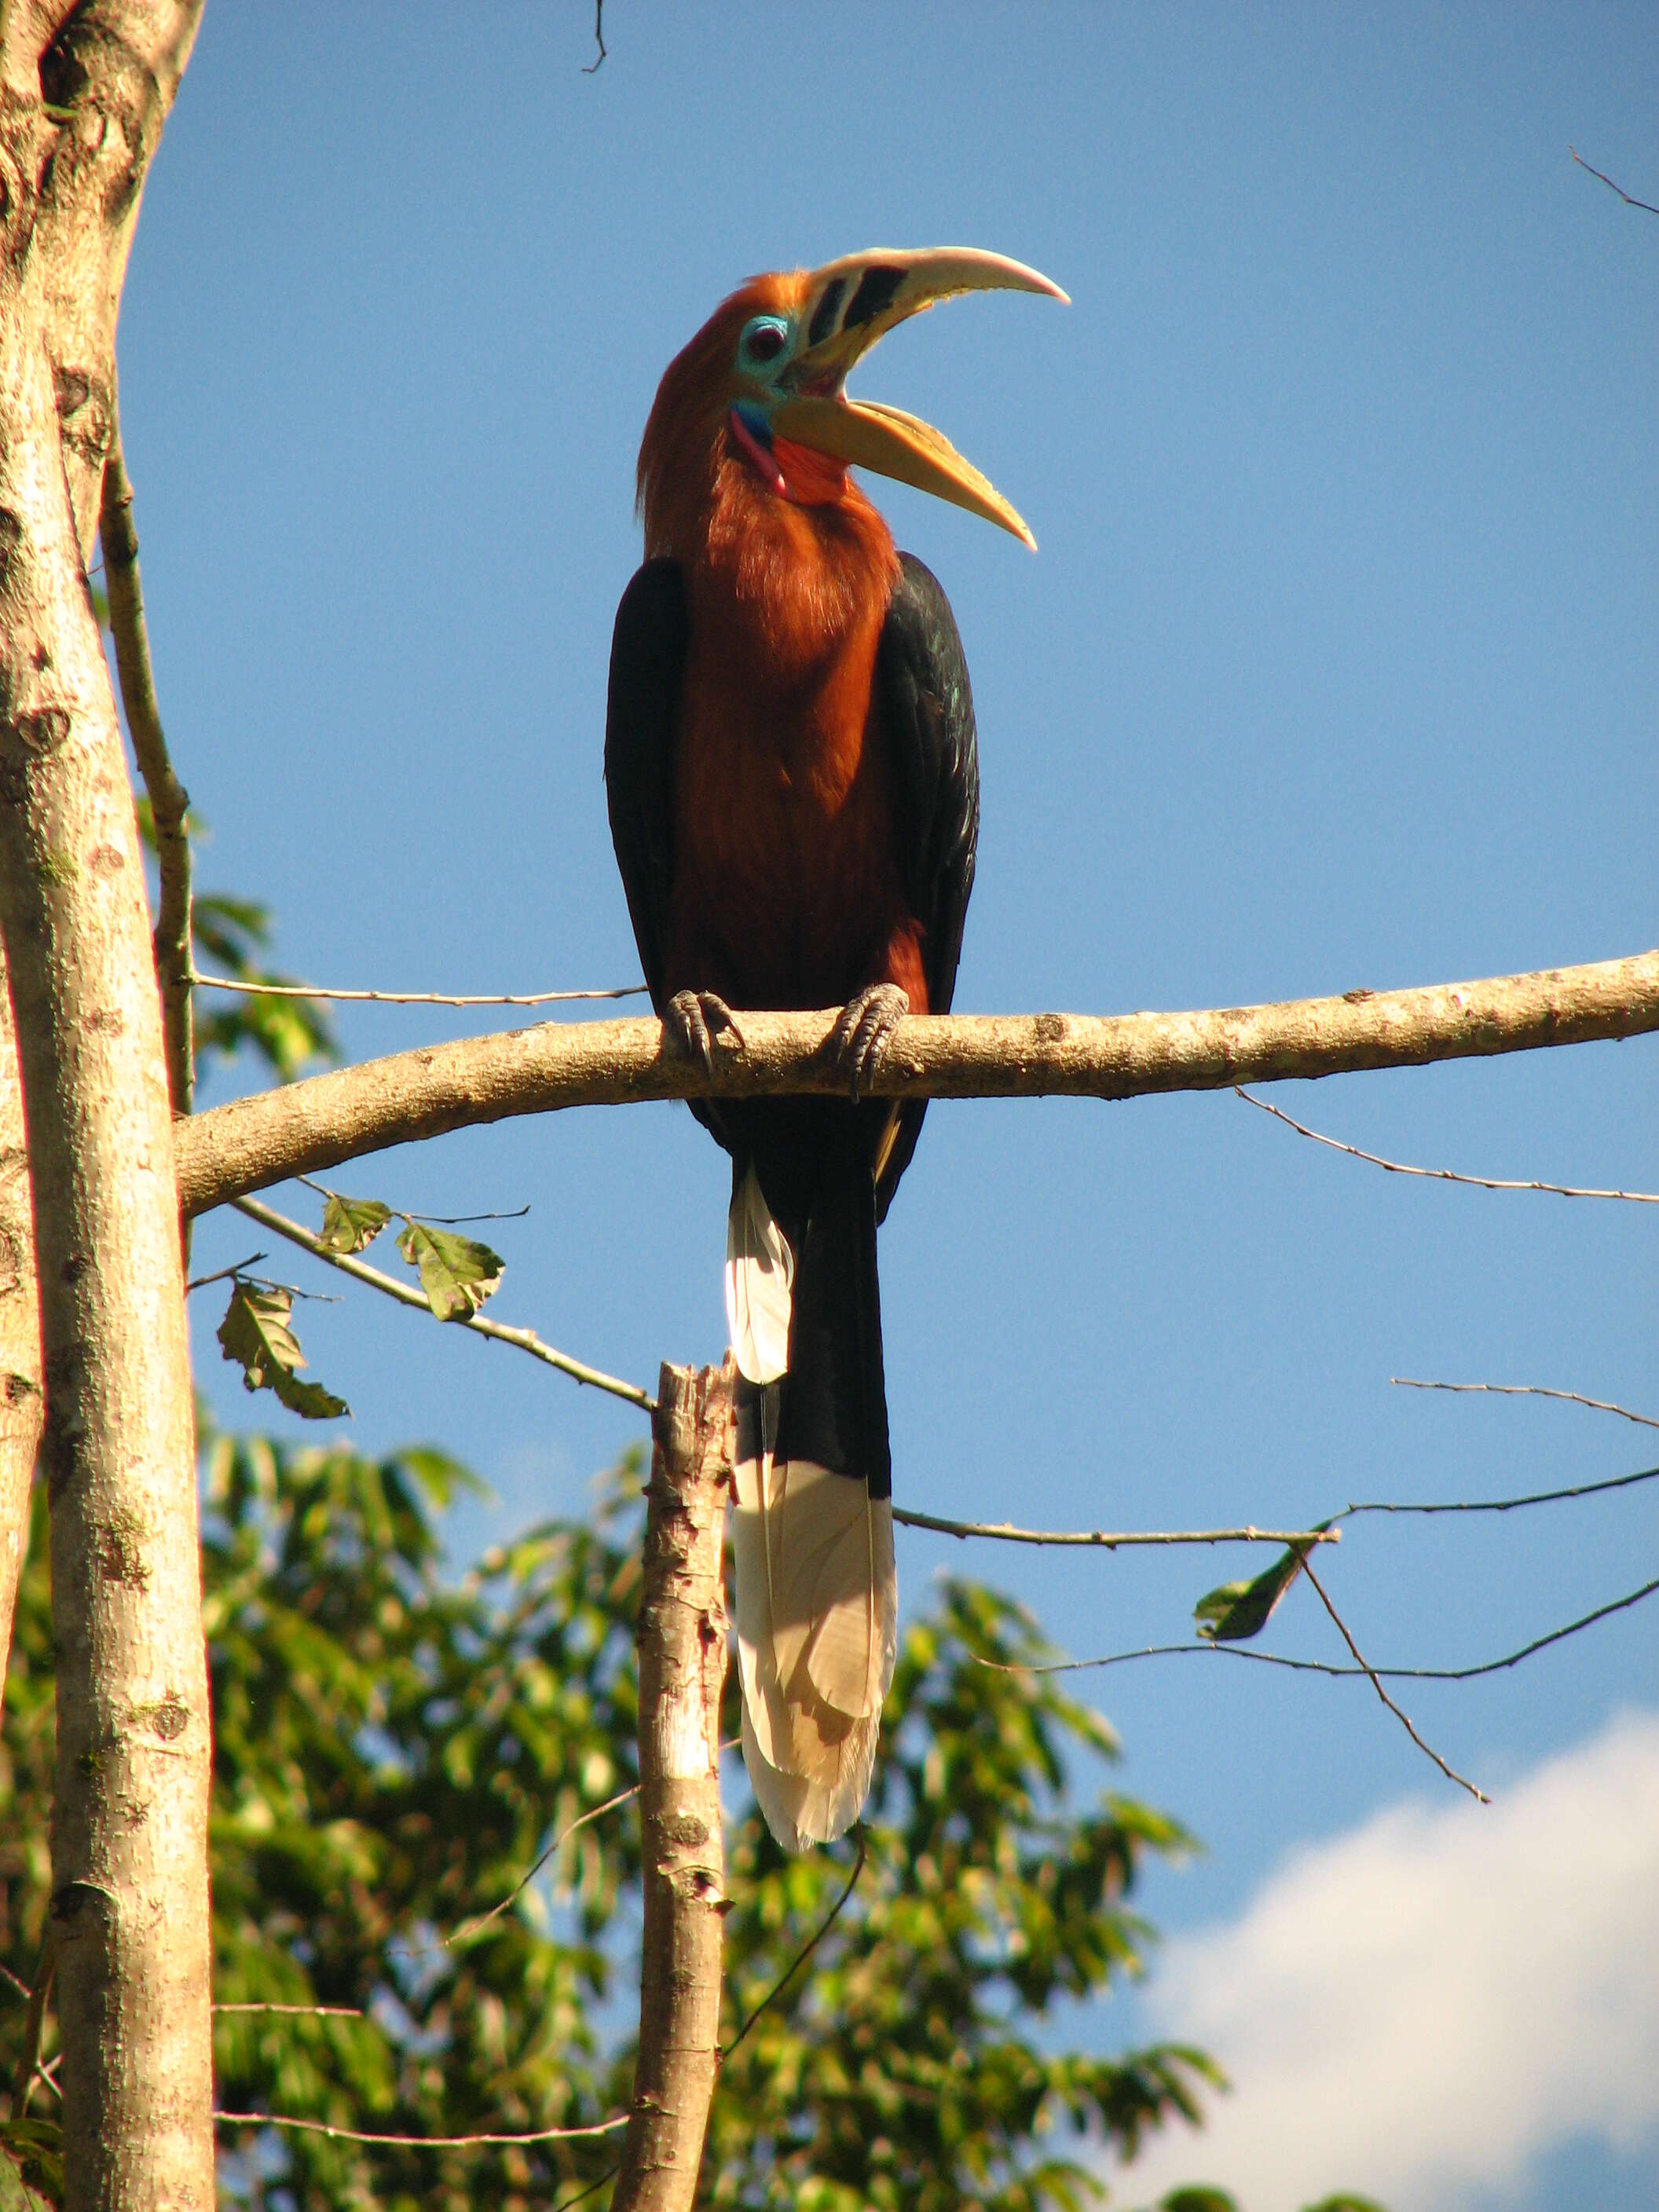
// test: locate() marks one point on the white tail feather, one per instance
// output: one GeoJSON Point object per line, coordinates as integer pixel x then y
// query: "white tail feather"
{"type": "Point", "coordinates": [817, 1636]}
{"type": "Point", "coordinates": [760, 1274]}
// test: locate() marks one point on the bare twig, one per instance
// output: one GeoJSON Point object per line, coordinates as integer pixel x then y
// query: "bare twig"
{"type": "Point", "coordinates": [1323, 1666]}
{"type": "Point", "coordinates": [1440, 1175]}
{"type": "Point", "coordinates": [28, 2058]}
{"type": "Point", "coordinates": [805, 1953]}
{"type": "Point", "coordinates": [1506, 1505]}
{"type": "Point", "coordinates": [1528, 1390]}
{"type": "Point", "coordinates": [225, 1274]}
{"type": "Point", "coordinates": [416, 2143]}
{"type": "Point", "coordinates": [438, 1220]}
{"type": "Point", "coordinates": [1111, 1539]}
{"type": "Point", "coordinates": [1428, 1750]}
{"type": "Point", "coordinates": [682, 1637]}
{"type": "Point", "coordinates": [592, 67]}
{"type": "Point", "coordinates": [523, 1340]}
{"type": "Point", "coordinates": [169, 802]}
{"type": "Point", "coordinates": [483, 1919]}
{"type": "Point", "coordinates": [1646, 206]}
{"type": "Point", "coordinates": [316, 1124]}
{"type": "Point", "coordinates": [311, 2012]}
{"type": "Point", "coordinates": [411, 997]}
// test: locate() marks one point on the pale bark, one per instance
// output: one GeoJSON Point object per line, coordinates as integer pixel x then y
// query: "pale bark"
{"type": "Point", "coordinates": [23, 1402]}
{"type": "Point", "coordinates": [130, 1901]}
{"type": "Point", "coordinates": [308, 1126]}
{"type": "Point", "coordinates": [682, 1643]}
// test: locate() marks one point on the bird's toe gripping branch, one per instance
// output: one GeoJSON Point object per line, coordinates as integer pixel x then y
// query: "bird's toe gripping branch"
{"type": "Point", "coordinates": [863, 1034]}
{"type": "Point", "coordinates": [690, 1021]}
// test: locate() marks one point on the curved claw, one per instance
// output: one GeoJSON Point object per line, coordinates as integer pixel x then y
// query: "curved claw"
{"type": "Point", "coordinates": [689, 1021]}
{"type": "Point", "coordinates": [862, 1035]}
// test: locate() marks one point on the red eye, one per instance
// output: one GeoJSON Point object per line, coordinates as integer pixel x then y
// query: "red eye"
{"type": "Point", "coordinates": [764, 343]}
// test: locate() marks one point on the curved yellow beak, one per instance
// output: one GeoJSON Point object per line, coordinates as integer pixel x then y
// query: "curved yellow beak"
{"type": "Point", "coordinates": [849, 305]}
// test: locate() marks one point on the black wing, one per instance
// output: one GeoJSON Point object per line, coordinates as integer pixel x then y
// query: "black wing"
{"type": "Point", "coordinates": [648, 662]}
{"type": "Point", "coordinates": [927, 711]}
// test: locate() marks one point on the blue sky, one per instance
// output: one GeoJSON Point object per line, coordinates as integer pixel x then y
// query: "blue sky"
{"type": "Point", "coordinates": [1337, 666]}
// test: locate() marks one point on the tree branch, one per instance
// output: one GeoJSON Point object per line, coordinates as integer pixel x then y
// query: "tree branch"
{"type": "Point", "coordinates": [523, 1340]}
{"type": "Point", "coordinates": [1441, 1175]}
{"type": "Point", "coordinates": [682, 1640]}
{"type": "Point", "coordinates": [1112, 1539]}
{"type": "Point", "coordinates": [1526, 1390]}
{"type": "Point", "coordinates": [257, 1141]}
{"type": "Point", "coordinates": [169, 802]}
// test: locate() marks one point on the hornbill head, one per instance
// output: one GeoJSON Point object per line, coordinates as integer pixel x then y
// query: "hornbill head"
{"type": "Point", "coordinates": [765, 378]}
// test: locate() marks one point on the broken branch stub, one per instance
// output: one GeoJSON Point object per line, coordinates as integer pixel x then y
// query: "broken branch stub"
{"type": "Point", "coordinates": [683, 1649]}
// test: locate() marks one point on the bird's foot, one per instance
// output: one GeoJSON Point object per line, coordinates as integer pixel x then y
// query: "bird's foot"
{"type": "Point", "coordinates": [689, 1022]}
{"type": "Point", "coordinates": [863, 1032]}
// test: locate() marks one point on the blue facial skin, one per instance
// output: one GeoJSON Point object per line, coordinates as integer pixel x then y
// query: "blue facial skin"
{"type": "Point", "coordinates": [765, 348]}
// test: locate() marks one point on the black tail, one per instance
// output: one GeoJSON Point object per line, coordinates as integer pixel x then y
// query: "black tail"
{"type": "Point", "coordinates": [817, 1597]}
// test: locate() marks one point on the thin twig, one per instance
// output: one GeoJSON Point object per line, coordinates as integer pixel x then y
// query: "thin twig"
{"type": "Point", "coordinates": [1528, 1390]}
{"type": "Point", "coordinates": [1439, 1175]}
{"type": "Point", "coordinates": [483, 1919]}
{"type": "Point", "coordinates": [411, 997]}
{"type": "Point", "coordinates": [169, 802]}
{"type": "Point", "coordinates": [1428, 1750]}
{"type": "Point", "coordinates": [28, 2060]}
{"type": "Point", "coordinates": [226, 1274]}
{"type": "Point", "coordinates": [1110, 1540]}
{"type": "Point", "coordinates": [16, 1980]}
{"type": "Point", "coordinates": [524, 1339]}
{"type": "Point", "coordinates": [416, 2143]}
{"type": "Point", "coordinates": [1646, 206]}
{"type": "Point", "coordinates": [315, 2012]}
{"type": "Point", "coordinates": [611, 2173]}
{"type": "Point", "coordinates": [438, 1220]}
{"type": "Point", "coordinates": [1323, 1666]}
{"type": "Point", "coordinates": [592, 68]}
{"type": "Point", "coordinates": [805, 1954]}
{"type": "Point", "coordinates": [1506, 1505]}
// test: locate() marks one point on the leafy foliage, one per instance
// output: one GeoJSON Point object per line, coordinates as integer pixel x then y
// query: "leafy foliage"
{"type": "Point", "coordinates": [1237, 1610]}
{"type": "Point", "coordinates": [392, 1750]}
{"type": "Point", "coordinates": [255, 1335]}
{"type": "Point", "coordinates": [351, 1224]}
{"type": "Point", "coordinates": [458, 1274]}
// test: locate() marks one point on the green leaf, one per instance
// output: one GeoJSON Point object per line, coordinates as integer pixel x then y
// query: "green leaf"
{"type": "Point", "coordinates": [255, 1337]}
{"type": "Point", "coordinates": [1198, 2200]}
{"type": "Point", "coordinates": [1237, 1611]}
{"type": "Point", "coordinates": [34, 2155]}
{"type": "Point", "coordinates": [350, 1224]}
{"type": "Point", "coordinates": [1344, 2201]}
{"type": "Point", "coordinates": [458, 1274]}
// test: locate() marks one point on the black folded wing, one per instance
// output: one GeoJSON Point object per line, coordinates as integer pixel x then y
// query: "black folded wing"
{"type": "Point", "coordinates": [926, 710]}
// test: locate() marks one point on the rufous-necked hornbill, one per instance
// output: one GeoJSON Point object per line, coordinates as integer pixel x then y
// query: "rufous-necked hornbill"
{"type": "Point", "coordinates": [793, 787]}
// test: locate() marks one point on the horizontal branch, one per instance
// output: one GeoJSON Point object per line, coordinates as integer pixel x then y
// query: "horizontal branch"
{"type": "Point", "coordinates": [254, 1142]}
{"type": "Point", "coordinates": [258, 989]}
{"type": "Point", "coordinates": [1323, 1666]}
{"type": "Point", "coordinates": [413, 2143]}
{"type": "Point", "coordinates": [1112, 1539]}
{"type": "Point", "coordinates": [1526, 1390]}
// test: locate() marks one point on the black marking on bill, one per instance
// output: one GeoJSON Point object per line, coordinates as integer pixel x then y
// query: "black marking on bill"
{"type": "Point", "coordinates": [876, 289]}
{"type": "Point", "coordinates": [823, 315]}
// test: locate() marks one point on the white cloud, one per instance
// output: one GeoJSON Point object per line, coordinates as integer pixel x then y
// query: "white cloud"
{"type": "Point", "coordinates": [1421, 2007]}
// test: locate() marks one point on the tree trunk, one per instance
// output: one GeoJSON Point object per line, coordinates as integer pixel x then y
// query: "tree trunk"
{"type": "Point", "coordinates": [22, 1406]}
{"type": "Point", "coordinates": [130, 1897]}
{"type": "Point", "coordinates": [681, 1640]}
